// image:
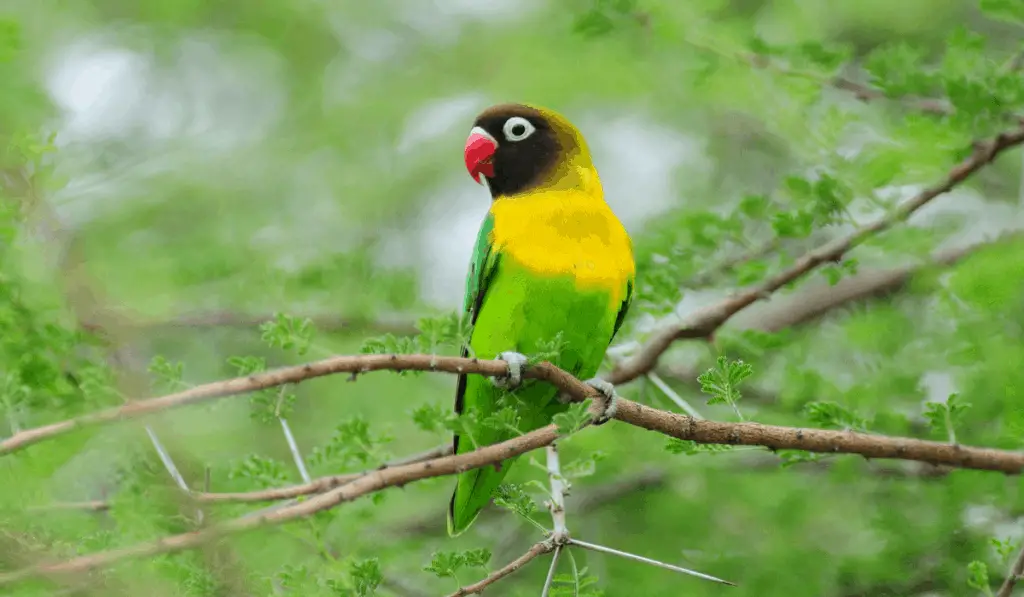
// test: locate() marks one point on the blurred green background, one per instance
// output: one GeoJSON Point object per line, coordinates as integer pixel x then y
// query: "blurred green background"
{"type": "Point", "coordinates": [176, 171]}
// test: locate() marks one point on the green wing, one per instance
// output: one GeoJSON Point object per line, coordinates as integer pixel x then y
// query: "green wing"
{"type": "Point", "coordinates": [623, 309]}
{"type": "Point", "coordinates": [482, 267]}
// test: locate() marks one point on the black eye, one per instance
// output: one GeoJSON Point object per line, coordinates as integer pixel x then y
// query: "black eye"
{"type": "Point", "coordinates": [517, 128]}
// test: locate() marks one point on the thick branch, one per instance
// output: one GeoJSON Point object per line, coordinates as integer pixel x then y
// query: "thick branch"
{"type": "Point", "coordinates": [259, 381]}
{"type": "Point", "coordinates": [679, 426]}
{"type": "Point", "coordinates": [671, 424]}
{"type": "Point", "coordinates": [703, 322]}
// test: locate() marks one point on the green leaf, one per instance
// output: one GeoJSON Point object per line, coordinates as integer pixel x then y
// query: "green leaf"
{"type": "Point", "coordinates": [977, 577]}
{"type": "Point", "coordinates": [792, 457]}
{"type": "Point", "coordinates": [477, 558]}
{"type": "Point", "coordinates": [352, 444]}
{"type": "Point", "coordinates": [579, 584]}
{"type": "Point", "coordinates": [574, 418]}
{"type": "Point", "coordinates": [366, 576]}
{"type": "Point", "coordinates": [830, 415]}
{"type": "Point", "coordinates": [1010, 11]}
{"type": "Point", "coordinates": [898, 70]}
{"type": "Point", "coordinates": [447, 330]}
{"type": "Point", "coordinates": [1005, 548]}
{"type": "Point", "coordinates": [265, 472]}
{"type": "Point", "coordinates": [504, 419]}
{"type": "Point", "coordinates": [513, 497]}
{"type": "Point", "coordinates": [247, 365]}
{"type": "Point", "coordinates": [548, 350]}
{"type": "Point", "coordinates": [168, 374]}
{"type": "Point", "coordinates": [944, 416]}
{"type": "Point", "coordinates": [430, 417]}
{"type": "Point", "coordinates": [722, 382]}
{"type": "Point", "coordinates": [584, 466]}
{"type": "Point", "coordinates": [798, 224]}
{"type": "Point", "coordinates": [445, 564]}
{"type": "Point", "coordinates": [287, 332]}
{"type": "Point", "coordinates": [755, 207]}
{"type": "Point", "coordinates": [466, 424]}
{"type": "Point", "coordinates": [690, 448]}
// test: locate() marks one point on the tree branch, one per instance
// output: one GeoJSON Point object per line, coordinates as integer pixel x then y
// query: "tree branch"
{"type": "Point", "coordinates": [679, 426]}
{"type": "Point", "coordinates": [538, 549]}
{"type": "Point", "coordinates": [813, 303]}
{"type": "Point", "coordinates": [1014, 575]}
{"type": "Point", "coordinates": [370, 483]}
{"type": "Point", "coordinates": [703, 322]}
{"type": "Point", "coordinates": [315, 486]}
{"type": "Point", "coordinates": [670, 424]}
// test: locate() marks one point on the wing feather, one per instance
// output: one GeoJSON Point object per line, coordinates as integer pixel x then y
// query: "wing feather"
{"type": "Point", "coordinates": [482, 268]}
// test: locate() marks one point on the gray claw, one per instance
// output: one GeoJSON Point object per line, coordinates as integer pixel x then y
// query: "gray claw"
{"type": "Point", "coordinates": [611, 399]}
{"type": "Point", "coordinates": [516, 362]}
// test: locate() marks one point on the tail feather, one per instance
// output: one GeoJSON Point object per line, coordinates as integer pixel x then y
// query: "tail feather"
{"type": "Point", "coordinates": [473, 490]}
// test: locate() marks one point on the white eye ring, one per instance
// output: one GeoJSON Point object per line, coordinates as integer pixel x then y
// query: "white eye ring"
{"type": "Point", "coordinates": [513, 124]}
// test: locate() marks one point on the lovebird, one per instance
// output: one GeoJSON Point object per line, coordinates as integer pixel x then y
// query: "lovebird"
{"type": "Point", "coordinates": [552, 272]}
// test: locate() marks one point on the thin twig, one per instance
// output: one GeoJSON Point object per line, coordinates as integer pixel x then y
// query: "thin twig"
{"type": "Point", "coordinates": [478, 587]}
{"type": "Point", "coordinates": [704, 322]}
{"type": "Point", "coordinates": [370, 483]}
{"type": "Point", "coordinates": [814, 302]}
{"type": "Point", "coordinates": [708, 276]}
{"type": "Point", "coordinates": [1014, 575]}
{"type": "Point", "coordinates": [864, 93]}
{"type": "Point", "coordinates": [667, 423]}
{"type": "Point", "coordinates": [631, 556]}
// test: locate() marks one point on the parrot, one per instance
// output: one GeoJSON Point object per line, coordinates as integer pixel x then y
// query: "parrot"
{"type": "Point", "coordinates": [552, 266]}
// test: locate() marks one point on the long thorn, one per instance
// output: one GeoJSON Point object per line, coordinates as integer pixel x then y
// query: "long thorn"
{"type": "Point", "coordinates": [672, 395]}
{"type": "Point", "coordinates": [165, 457]}
{"type": "Point", "coordinates": [551, 572]}
{"type": "Point", "coordinates": [294, 447]}
{"type": "Point", "coordinates": [630, 556]}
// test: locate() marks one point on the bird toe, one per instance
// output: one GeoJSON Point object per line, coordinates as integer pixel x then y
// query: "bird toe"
{"type": "Point", "coordinates": [516, 363]}
{"type": "Point", "coordinates": [607, 390]}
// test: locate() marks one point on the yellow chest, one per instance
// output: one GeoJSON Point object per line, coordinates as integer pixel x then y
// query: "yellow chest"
{"type": "Point", "coordinates": [566, 233]}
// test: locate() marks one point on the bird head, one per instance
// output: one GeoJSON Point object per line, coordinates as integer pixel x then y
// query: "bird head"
{"type": "Point", "coordinates": [513, 148]}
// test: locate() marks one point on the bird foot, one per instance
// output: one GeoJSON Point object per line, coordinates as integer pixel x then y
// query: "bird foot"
{"type": "Point", "coordinates": [516, 362]}
{"type": "Point", "coordinates": [611, 399]}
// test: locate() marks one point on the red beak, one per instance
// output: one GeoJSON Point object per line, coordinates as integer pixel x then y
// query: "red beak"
{"type": "Point", "coordinates": [479, 156]}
